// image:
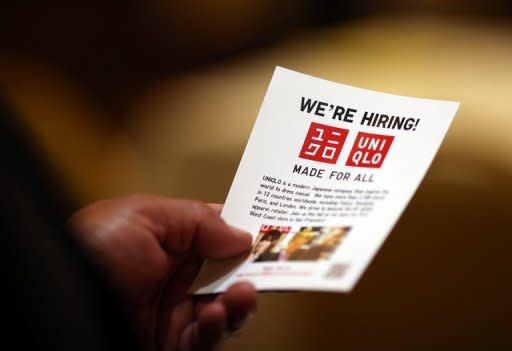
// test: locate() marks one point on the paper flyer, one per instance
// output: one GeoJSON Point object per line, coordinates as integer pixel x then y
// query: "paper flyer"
{"type": "Point", "coordinates": [326, 173]}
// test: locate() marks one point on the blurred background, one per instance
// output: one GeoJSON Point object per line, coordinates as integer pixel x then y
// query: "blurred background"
{"type": "Point", "coordinates": [160, 96]}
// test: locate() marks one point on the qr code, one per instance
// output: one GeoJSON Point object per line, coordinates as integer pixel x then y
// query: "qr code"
{"type": "Point", "coordinates": [337, 270]}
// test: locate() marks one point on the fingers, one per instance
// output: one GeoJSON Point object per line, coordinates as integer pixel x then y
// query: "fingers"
{"type": "Point", "coordinates": [240, 302]}
{"type": "Point", "coordinates": [219, 318]}
{"type": "Point", "coordinates": [207, 332]}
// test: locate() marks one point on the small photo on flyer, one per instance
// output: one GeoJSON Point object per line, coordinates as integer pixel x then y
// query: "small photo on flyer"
{"type": "Point", "coordinates": [269, 239]}
{"type": "Point", "coordinates": [307, 244]}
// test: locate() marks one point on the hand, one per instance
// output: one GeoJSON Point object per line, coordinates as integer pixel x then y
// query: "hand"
{"type": "Point", "coordinates": [152, 248]}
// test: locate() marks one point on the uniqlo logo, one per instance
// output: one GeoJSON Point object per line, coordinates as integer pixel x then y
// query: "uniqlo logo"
{"type": "Point", "coordinates": [323, 143]}
{"type": "Point", "coordinates": [369, 150]}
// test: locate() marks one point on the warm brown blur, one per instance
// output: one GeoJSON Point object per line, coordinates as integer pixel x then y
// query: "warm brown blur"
{"type": "Point", "coordinates": [160, 96]}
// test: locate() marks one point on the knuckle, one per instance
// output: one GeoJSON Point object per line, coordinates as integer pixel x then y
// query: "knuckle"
{"type": "Point", "coordinates": [199, 210]}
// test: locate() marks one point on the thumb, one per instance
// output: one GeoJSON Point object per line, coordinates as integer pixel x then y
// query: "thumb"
{"type": "Point", "coordinates": [192, 225]}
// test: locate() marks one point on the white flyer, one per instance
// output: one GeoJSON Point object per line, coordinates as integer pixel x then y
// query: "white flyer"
{"type": "Point", "coordinates": [327, 172]}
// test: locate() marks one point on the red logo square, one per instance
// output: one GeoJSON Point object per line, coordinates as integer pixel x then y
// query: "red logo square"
{"type": "Point", "coordinates": [369, 150]}
{"type": "Point", "coordinates": [323, 143]}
